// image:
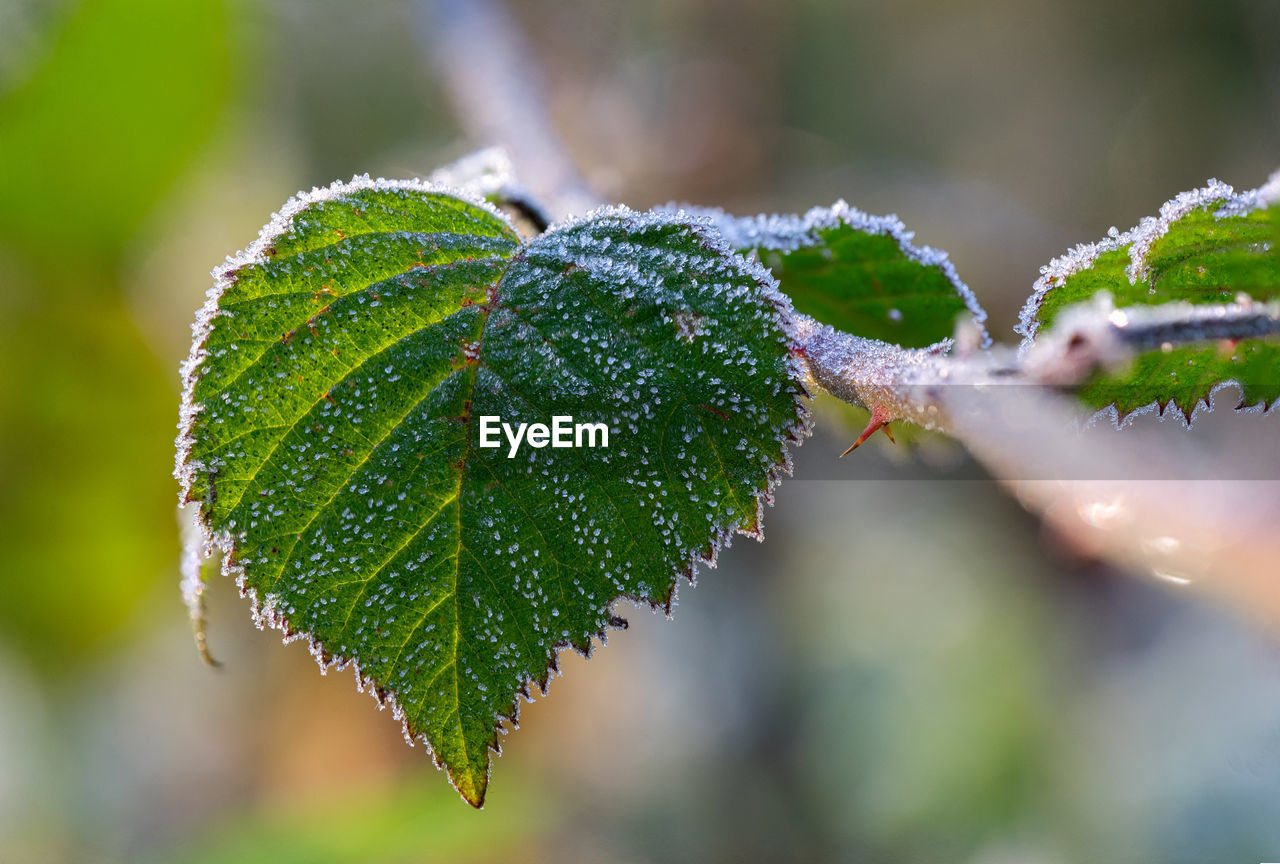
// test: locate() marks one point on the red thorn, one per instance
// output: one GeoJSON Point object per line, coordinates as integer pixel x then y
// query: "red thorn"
{"type": "Point", "coordinates": [879, 420]}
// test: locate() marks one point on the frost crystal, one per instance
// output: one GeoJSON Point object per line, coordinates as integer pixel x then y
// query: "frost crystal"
{"type": "Point", "coordinates": [482, 174]}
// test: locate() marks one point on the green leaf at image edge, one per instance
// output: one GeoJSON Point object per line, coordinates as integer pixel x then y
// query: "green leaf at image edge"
{"type": "Point", "coordinates": [330, 437]}
{"type": "Point", "coordinates": [1207, 246]}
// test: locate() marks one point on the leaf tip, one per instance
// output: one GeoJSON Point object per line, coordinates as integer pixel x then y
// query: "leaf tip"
{"type": "Point", "coordinates": [471, 787]}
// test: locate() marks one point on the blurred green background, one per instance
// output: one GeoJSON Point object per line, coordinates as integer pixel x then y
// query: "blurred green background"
{"type": "Point", "coordinates": [909, 670]}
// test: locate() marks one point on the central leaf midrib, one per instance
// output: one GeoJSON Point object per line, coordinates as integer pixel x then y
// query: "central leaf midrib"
{"type": "Point", "coordinates": [413, 723]}
{"type": "Point", "coordinates": [464, 463]}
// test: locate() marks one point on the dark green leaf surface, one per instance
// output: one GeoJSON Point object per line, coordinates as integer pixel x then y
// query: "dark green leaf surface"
{"type": "Point", "coordinates": [1206, 247]}
{"type": "Point", "coordinates": [332, 437]}
{"type": "Point", "coordinates": [856, 272]}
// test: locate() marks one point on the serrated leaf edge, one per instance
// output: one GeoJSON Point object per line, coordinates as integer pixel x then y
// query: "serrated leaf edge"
{"type": "Point", "coordinates": [786, 232]}
{"type": "Point", "coordinates": [1182, 416]}
{"type": "Point", "coordinates": [204, 543]}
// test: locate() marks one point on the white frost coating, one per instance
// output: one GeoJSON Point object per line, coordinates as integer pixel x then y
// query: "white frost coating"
{"type": "Point", "coordinates": [788, 232]}
{"type": "Point", "coordinates": [1112, 416]}
{"type": "Point", "coordinates": [886, 379]}
{"type": "Point", "coordinates": [266, 609]}
{"type": "Point", "coordinates": [194, 551]}
{"type": "Point", "coordinates": [1152, 228]}
{"type": "Point", "coordinates": [1095, 333]}
{"type": "Point", "coordinates": [482, 173]}
{"type": "Point", "coordinates": [1255, 199]}
{"type": "Point", "coordinates": [1139, 241]}
{"type": "Point", "coordinates": [489, 174]}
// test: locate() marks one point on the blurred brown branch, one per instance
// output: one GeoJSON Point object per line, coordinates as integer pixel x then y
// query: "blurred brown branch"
{"type": "Point", "coordinates": [498, 95]}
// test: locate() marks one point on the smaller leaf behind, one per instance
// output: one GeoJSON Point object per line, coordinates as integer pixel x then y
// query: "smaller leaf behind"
{"type": "Point", "coordinates": [857, 272]}
{"type": "Point", "coordinates": [1208, 246]}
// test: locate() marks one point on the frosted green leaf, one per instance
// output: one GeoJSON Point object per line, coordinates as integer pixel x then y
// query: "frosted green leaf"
{"type": "Point", "coordinates": [1208, 248]}
{"type": "Point", "coordinates": [857, 272]}
{"type": "Point", "coordinates": [332, 437]}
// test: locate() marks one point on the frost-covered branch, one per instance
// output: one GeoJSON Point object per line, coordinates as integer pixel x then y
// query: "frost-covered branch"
{"type": "Point", "coordinates": [489, 174]}
{"type": "Point", "coordinates": [1097, 334]}
{"type": "Point", "coordinates": [902, 383]}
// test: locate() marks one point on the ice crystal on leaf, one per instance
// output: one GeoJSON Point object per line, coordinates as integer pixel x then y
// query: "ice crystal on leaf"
{"type": "Point", "coordinates": [329, 436]}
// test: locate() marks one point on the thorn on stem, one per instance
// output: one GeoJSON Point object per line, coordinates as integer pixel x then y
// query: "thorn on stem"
{"type": "Point", "coordinates": [879, 420]}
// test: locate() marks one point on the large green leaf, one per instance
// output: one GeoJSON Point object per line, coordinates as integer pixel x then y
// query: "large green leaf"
{"type": "Point", "coordinates": [857, 272]}
{"type": "Point", "coordinates": [332, 436]}
{"type": "Point", "coordinates": [1207, 247]}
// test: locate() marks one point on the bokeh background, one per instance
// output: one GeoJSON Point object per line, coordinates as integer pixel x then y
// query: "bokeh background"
{"type": "Point", "coordinates": [910, 669]}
